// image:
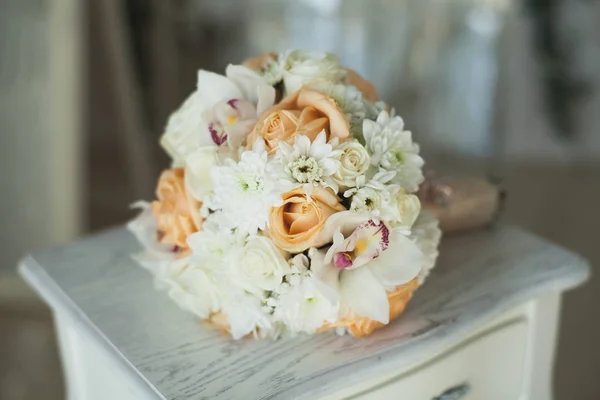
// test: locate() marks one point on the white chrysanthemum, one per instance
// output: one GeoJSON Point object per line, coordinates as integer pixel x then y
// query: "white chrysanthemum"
{"type": "Point", "coordinates": [247, 190]}
{"type": "Point", "coordinates": [310, 164]}
{"type": "Point", "coordinates": [300, 304]}
{"type": "Point", "coordinates": [374, 109]}
{"type": "Point", "coordinates": [349, 99]}
{"type": "Point", "coordinates": [393, 149]}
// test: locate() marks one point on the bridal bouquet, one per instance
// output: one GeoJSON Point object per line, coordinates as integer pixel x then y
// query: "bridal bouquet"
{"type": "Point", "coordinates": [289, 206]}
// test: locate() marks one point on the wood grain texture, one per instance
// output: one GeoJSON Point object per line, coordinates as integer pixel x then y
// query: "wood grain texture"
{"type": "Point", "coordinates": [478, 277]}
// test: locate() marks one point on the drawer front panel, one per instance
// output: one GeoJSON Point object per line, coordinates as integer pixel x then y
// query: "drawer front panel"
{"type": "Point", "coordinates": [490, 366]}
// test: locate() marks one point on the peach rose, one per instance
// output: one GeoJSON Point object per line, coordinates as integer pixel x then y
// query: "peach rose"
{"type": "Point", "coordinates": [177, 213]}
{"type": "Point", "coordinates": [306, 112]}
{"type": "Point", "coordinates": [366, 87]}
{"type": "Point", "coordinates": [295, 226]}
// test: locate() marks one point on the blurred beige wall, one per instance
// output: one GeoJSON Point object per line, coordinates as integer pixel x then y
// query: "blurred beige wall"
{"type": "Point", "coordinates": [525, 131]}
{"type": "Point", "coordinates": [40, 113]}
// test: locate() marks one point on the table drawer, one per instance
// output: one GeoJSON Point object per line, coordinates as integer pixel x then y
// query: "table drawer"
{"type": "Point", "coordinates": [491, 365]}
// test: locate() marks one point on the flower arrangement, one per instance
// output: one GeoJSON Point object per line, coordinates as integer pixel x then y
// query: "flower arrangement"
{"type": "Point", "coordinates": [289, 207]}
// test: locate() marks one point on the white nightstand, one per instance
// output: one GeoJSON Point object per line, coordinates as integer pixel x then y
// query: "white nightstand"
{"type": "Point", "coordinates": [483, 327]}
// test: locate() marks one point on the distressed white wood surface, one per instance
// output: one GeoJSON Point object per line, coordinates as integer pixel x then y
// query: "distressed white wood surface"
{"type": "Point", "coordinates": [479, 276]}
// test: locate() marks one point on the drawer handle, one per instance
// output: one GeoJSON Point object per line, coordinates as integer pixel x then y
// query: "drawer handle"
{"type": "Point", "coordinates": [454, 393]}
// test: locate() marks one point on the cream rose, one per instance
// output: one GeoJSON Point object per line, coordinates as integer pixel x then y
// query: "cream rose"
{"type": "Point", "coordinates": [263, 264]}
{"type": "Point", "coordinates": [307, 112]}
{"type": "Point", "coordinates": [408, 207]}
{"type": "Point", "coordinates": [354, 162]}
{"type": "Point", "coordinates": [177, 213]}
{"type": "Point", "coordinates": [295, 226]}
{"type": "Point", "coordinates": [301, 67]}
{"type": "Point", "coordinates": [197, 173]}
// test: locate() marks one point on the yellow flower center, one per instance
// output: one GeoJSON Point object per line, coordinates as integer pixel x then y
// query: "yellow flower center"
{"type": "Point", "coordinates": [360, 247]}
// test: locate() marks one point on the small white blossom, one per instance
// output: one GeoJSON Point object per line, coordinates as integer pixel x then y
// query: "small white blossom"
{"type": "Point", "coordinates": [368, 199]}
{"type": "Point", "coordinates": [374, 109]}
{"type": "Point", "coordinates": [393, 149]}
{"type": "Point", "coordinates": [301, 305]}
{"type": "Point", "coordinates": [385, 201]}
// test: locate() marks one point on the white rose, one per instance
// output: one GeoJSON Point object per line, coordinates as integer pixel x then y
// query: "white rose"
{"type": "Point", "coordinates": [303, 66]}
{"type": "Point", "coordinates": [355, 162]}
{"type": "Point", "coordinates": [197, 171]}
{"type": "Point", "coordinates": [407, 208]}
{"type": "Point", "coordinates": [183, 132]}
{"type": "Point", "coordinates": [190, 287]}
{"type": "Point", "coordinates": [263, 264]}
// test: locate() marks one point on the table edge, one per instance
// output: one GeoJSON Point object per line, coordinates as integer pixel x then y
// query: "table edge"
{"type": "Point", "coordinates": [30, 270]}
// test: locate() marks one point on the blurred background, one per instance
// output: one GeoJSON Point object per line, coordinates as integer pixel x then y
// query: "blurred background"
{"type": "Point", "coordinates": [503, 88]}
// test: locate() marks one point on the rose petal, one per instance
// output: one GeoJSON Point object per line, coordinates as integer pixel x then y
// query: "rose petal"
{"type": "Point", "coordinates": [338, 121]}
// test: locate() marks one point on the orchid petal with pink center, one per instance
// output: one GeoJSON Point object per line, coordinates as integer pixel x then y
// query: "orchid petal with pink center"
{"type": "Point", "coordinates": [363, 245]}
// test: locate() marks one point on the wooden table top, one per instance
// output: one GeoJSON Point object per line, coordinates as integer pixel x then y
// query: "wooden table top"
{"type": "Point", "coordinates": [170, 353]}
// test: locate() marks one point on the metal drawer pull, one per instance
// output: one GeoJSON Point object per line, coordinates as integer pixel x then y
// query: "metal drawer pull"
{"type": "Point", "coordinates": [455, 393]}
